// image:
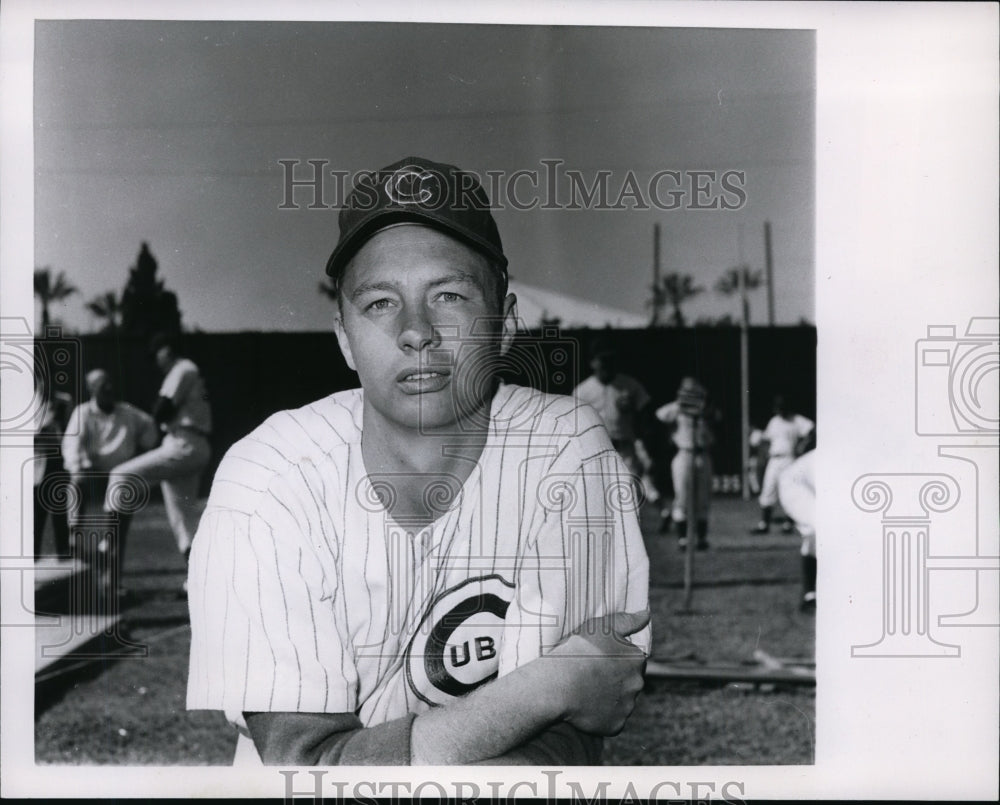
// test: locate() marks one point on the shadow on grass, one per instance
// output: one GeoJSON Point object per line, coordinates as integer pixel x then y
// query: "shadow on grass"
{"type": "Point", "coordinates": [155, 571]}
{"type": "Point", "coordinates": [159, 623]}
{"type": "Point", "coordinates": [64, 677]}
{"type": "Point", "coordinates": [679, 585]}
{"type": "Point", "coordinates": [697, 687]}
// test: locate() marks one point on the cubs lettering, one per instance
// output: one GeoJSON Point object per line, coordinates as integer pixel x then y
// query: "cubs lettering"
{"type": "Point", "coordinates": [457, 647]}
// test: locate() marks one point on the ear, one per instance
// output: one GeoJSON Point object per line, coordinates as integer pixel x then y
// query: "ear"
{"type": "Point", "coordinates": [509, 325]}
{"type": "Point", "coordinates": [343, 340]}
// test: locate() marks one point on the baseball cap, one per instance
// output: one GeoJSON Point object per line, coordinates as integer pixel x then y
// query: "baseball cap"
{"type": "Point", "coordinates": [417, 190]}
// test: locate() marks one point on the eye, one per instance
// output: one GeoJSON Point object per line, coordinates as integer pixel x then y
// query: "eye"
{"type": "Point", "coordinates": [450, 296]}
{"type": "Point", "coordinates": [379, 304]}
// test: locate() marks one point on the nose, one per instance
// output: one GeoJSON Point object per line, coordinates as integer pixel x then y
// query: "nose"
{"type": "Point", "coordinates": [416, 330]}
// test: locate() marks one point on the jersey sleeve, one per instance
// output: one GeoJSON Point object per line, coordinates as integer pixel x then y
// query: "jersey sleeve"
{"type": "Point", "coordinates": [584, 555]}
{"type": "Point", "coordinates": [769, 428]}
{"type": "Point", "coordinates": [73, 450]}
{"type": "Point", "coordinates": [268, 627]}
{"type": "Point", "coordinates": [639, 394]}
{"type": "Point", "coordinates": [667, 414]}
{"type": "Point", "coordinates": [178, 381]}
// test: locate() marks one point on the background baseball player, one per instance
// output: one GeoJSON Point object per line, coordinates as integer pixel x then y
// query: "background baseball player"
{"type": "Point", "coordinates": [690, 420]}
{"type": "Point", "coordinates": [182, 411]}
{"type": "Point", "coordinates": [622, 403]}
{"type": "Point", "coordinates": [103, 433]}
{"type": "Point", "coordinates": [51, 417]}
{"type": "Point", "coordinates": [756, 461]}
{"type": "Point", "coordinates": [402, 573]}
{"type": "Point", "coordinates": [797, 492]}
{"type": "Point", "coordinates": [786, 436]}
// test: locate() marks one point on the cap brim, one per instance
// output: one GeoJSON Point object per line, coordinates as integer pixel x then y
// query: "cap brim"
{"type": "Point", "coordinates": [365, 229]}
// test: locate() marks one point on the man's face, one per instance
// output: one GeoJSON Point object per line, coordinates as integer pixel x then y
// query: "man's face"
{"type": "Point", "coordinates": [410, 298]}
{"type": "Point", "coordinates": [604, 367]}
{"type": "Point", "coordinates": [102, 391]}
{"type": "Point", "coordinates": [164, 358]}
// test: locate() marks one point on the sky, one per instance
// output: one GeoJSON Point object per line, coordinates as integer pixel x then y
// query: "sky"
{"type": "Point", "coordinates": [172, 133]}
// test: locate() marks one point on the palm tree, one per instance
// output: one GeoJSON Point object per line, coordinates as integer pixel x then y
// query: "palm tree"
{"type": "Point", "coordinates": [107, 307]}
{"type": "Point", "coordinates": [673, 289]}
{"type": "Point", "coordinates": [51, 288]}
{"type": "Point", "coordinates": [729, 284]}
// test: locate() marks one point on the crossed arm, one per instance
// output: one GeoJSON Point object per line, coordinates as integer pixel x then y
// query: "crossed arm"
{"type": "Point", "coordinates": [551, 710]}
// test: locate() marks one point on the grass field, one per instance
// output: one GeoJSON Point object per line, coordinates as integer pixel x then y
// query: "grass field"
{"type": "Point", "coordinates": [130, 711]}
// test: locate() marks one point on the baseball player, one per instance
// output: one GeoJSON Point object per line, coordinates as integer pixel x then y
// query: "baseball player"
{"type": "Point", "coordinates": [689, 419]}
{"type": "Point", "coordinates": [786, 436]}
{"type": "Point", "coordinates": [51, 417]}
{"type": "Point", "coordinates": [620, 400]}
{"type": "Point", "coordinates": [797, 492]}
{"type": "Point", "coordinates": [433, 568]}
{"type": "Point", "coordinates": [757, 461]}
{"type": "Point", "coordinates": [182, 412]}
{"type": "Point", "coordinates": [103, 433]}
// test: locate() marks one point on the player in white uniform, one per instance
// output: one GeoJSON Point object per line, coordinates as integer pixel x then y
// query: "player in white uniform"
{"type": "Point", "coordinates": [690, 421]}
{"type": "Point", "coordinates": [622, 403]}
{"type": "Point", "coordinates": [102, 434]}
{"type": "Point", "coordinates": [797, 492]}
{"type": "Point", "coordinates": [400, 574]}
{"type": "Point", "coordinates": [183, 413]}
{"type": "Point", "coordinates": [786, 435]}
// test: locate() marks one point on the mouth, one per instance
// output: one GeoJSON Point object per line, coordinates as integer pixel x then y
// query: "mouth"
{"type": "Point", "coordinates": [422, 381]}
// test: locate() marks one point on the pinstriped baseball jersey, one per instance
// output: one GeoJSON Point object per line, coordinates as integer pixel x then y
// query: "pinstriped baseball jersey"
{"type": "Point", "coordinates": [306, 596]}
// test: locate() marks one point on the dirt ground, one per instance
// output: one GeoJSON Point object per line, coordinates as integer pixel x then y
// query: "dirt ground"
{"type": "Point", "coordinates": [130, 710]}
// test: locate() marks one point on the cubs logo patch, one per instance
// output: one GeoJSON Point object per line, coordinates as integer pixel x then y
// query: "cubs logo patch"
{"type": "Point", "coordinates": [412, 185]}
{"type": "Point", "coordinates": [457, 647]}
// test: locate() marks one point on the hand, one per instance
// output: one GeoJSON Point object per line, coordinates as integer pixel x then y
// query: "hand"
{"type": "Point", "coordinates": [600, 672]}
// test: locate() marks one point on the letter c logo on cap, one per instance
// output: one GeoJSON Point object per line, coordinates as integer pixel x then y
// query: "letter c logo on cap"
{"type": "Point", "coordinates": [411, 185]}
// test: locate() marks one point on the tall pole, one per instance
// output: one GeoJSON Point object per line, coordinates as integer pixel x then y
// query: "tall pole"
{"type": "Point", "coordinates": [744, 374]}
{"type": "Point", "coordinates": [656, 275]}
{"type": "Point", "coordinates": [770, 273]}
